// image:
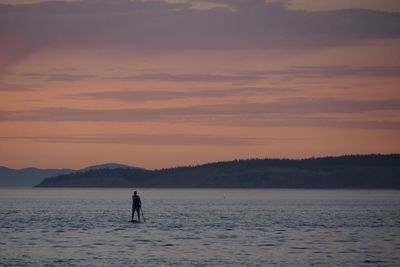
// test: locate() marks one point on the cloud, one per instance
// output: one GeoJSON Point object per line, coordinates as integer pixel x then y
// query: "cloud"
{"type": "Point", "coordinates": [142, 139]}
{"type": "Point", "coordinates": [293, 72]}
{"type": "Point", "coordinates": [245, 76]}
{"type": "Point", "coordinates": [162, 26]}
{"type": "Point", "coordinates": [292, 112]}
{"type": "Point", "coordinates": [57, 77]}
{"type": "Point", "coordinates": [307, 121]}
{"type": "Point", "coordinates": [149, 95]}
{"type": "Point", "coordinates": [167, 77]}
{"type": "Point", "coordinates": [333, 71]}
{"type": "Point", "coordinates": [5, 87]}
{"type": "Point", "coordinates": [207, 5]}
{"type": "Point", "coordinates": [69, 77]}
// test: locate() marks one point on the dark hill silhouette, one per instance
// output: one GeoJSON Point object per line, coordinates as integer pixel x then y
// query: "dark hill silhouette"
{"type": "Point", "coordinates": [27, 176]}
{"type": "Point", "coordinates": [355, 171]}
{"type": "Point", "coordinates": [33, 176]}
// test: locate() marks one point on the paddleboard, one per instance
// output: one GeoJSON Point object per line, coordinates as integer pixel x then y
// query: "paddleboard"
{"type": "Point", "coordinates": [135, 221]}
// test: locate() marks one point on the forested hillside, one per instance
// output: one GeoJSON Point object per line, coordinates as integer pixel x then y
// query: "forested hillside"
{"type": "Point", "coordinates": [355, 171]}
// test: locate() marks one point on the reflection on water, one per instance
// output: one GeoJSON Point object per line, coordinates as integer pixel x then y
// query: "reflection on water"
{"type": "Point", "coordinates": [90, 227]}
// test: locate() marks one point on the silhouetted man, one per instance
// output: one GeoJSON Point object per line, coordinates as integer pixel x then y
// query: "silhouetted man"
{"type": "Point", "coordinates": [136, 205]}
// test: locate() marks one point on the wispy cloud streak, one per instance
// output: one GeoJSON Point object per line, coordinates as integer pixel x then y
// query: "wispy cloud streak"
{"type": "Point", "coordinates": [142, 139]}
{"type": "Point", "coordinates": [306, 121]}
{"type": "Point", "coordinates": [292, 112]}
{"type": "Point", "coordinates": [333, 71]}
{"type": "Point", "coordinates": [56, 77]}
{"type": "Point", "coordinates": [8, 87]}
{"type": "Point", "coordinates": [149, 95]}
{"type": "Point", "coordinates": [166, 77]}
{"type": "Point", "coordinates": [245, 76]}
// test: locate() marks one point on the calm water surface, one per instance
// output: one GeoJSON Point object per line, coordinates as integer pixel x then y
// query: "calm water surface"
{"type": "Point", "coordinates": [89, 227]}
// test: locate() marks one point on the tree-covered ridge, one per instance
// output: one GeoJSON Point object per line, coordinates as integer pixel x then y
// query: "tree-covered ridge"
{"type": "Point", "coordinates": [353, 171]}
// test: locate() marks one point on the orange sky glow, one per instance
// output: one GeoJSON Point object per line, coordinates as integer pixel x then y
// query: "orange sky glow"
{"type": "Point", "coordinates": [166, 83]}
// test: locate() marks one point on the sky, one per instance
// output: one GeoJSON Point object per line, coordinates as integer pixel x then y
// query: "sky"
{"type": "Point", "coordinates": [162, 83]}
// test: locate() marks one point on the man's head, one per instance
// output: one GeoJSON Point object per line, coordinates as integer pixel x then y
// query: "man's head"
{"type": "Point", "coordinates": [134, 193]}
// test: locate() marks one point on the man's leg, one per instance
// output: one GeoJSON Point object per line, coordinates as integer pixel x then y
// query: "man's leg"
{"type": "Point", "coordinates": [133, 213]}
{"type": "Point", "coordinates": [138, 213]}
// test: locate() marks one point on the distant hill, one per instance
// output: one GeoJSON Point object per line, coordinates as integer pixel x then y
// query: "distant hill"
{"type": "Point", "coordinates": [108, 166]}
{"type": "Point", "coordinates": [27, 176]}
{"type": "Point", "coordinates": [355, 171]}
{"type": "Point", "coordinates": [33, 176]}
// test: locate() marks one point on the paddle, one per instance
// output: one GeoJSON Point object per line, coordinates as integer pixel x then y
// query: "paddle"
{"type": "Point", "coordinates": [144, 219]}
